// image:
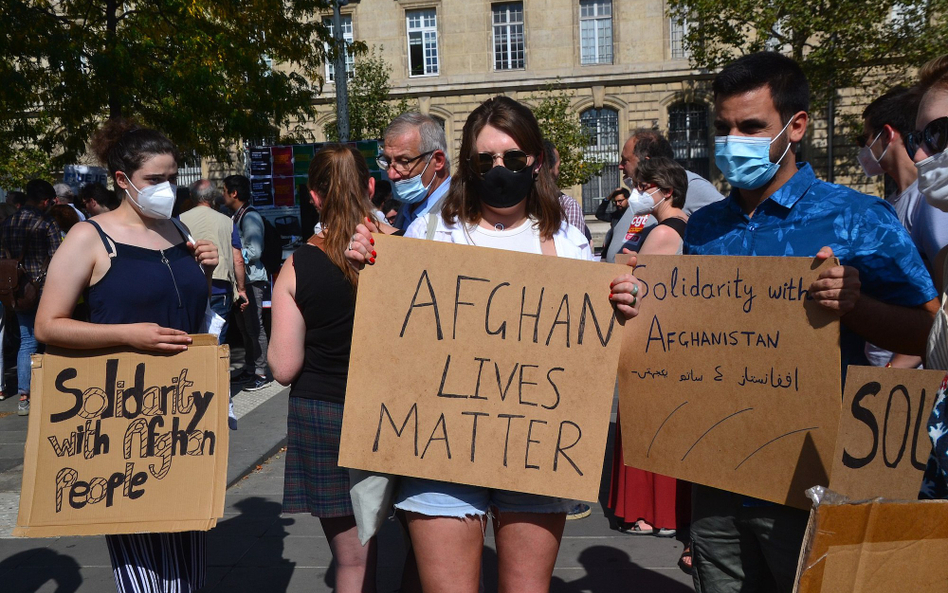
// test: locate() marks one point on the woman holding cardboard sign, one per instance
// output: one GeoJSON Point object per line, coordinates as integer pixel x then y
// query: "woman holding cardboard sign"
{"type": "Point", "coordinates": [501, 196]}
{"type": "Point", "coordinates": [313, 312]}
{"type": "Point", "coordinates": [147, 288]}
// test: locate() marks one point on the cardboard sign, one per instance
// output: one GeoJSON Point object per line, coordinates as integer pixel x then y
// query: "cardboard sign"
{"type": "Point", "coordinates": [126, 442]}
{"type": "Point", "coordinates": [730, 376]}
{"type": "Point", "coordinates": [883, 440]}
{"type": "Point", "coordinates": [875, 548]}
{"type": "Point", "coordinates": [482, 366]}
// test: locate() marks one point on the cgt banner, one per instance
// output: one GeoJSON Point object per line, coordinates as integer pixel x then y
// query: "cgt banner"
{"type": "Point", "coordinates": [483, 367]}
{"type": "Point", "coordinates": [126, 442]}
{"type": "Point", "coordinates": [730, 375]}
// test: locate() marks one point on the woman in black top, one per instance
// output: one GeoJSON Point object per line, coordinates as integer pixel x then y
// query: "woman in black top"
{"type": "Point", "coordinates": [660, 188]}
{"type": "Point", "coordinates": [313, 310]}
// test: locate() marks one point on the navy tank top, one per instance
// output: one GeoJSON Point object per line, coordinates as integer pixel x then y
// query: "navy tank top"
{"type": "Point", "coordinates": [163, 286]}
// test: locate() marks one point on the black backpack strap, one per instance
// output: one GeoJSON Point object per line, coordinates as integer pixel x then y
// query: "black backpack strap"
{"type": "Point", "coordinates": [107, 241]}
{"type": "Point", "coordinates": [181, 229]}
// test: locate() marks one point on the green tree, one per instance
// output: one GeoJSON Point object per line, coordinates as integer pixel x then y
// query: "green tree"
{"type": "Point", "coordinates": [838, 43]}
{"type": "Point", "coordinates": [371, 108]}
{"type": "Point", "coordinates": [560, 125]}
{"type": "Point", "coordinates": [208, 73]}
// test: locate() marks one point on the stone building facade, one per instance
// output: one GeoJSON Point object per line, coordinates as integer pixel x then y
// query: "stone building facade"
{"type": "Point", "coordinates": [622, 62]}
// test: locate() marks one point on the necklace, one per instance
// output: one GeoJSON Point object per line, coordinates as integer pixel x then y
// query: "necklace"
{"type": "Point", "coordinates": [499, 226]}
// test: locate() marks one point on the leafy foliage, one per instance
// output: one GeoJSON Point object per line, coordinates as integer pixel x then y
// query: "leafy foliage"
{"type": "Point", "coordinates": [370, 108]}
{"type": "Point", "coordinates": [560, 125]}
{"type": "Point", "coordinates": [208, 73]}
{"type": "Point", "coordinates": [839, 43]}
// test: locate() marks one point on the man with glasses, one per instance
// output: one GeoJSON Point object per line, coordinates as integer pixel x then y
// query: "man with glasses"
{"type": "Point", "coordinates": [887, 122]}
{"type": "Point", "coordinates": [414, 155]}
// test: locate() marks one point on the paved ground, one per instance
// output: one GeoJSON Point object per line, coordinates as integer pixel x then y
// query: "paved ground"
{"type": "Point", "coordinates": [256, 549]}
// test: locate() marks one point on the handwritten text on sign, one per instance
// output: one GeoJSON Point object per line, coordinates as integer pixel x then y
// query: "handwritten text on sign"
{"type": "Point", "coordinates": [883, 441]}
{"type": "Point", "coordinates": [121, 437]}
{"type": "Point", "coordinates": [482, 367]}
{"type": "Point", "coordinates": [730, 375]}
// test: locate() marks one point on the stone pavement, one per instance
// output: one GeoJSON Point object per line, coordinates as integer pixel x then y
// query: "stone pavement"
{"type": "Point", "coordinates": [256, 549]}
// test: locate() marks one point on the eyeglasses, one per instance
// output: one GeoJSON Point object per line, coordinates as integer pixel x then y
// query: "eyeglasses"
{"type": "Point", "coordinates": [513, 159]}
{"type": "Point", "coordinates": [934, 136]}
{"type": "Point", "coordinates": [401, 166]}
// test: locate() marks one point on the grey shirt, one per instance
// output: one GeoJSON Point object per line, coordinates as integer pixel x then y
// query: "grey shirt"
{"type": "Point", "coordinates": [700, 193]}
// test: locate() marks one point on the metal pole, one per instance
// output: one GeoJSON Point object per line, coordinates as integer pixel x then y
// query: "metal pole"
{"type": "Point", "coordinates": [339, 68]}
{"type": "Point", "coordinates": [830, 136]}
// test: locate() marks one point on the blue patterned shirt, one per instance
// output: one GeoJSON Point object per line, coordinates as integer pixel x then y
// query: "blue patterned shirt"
{"type": "Point", "coordinates": [803, 216]}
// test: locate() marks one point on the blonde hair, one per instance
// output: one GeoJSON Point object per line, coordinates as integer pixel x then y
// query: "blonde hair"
{"type": "Point", "coordinates": [340, 175]}
{"type": "Point", "coordinates": [934, 73]}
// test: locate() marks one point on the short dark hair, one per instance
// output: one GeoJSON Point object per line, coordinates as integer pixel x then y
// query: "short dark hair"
{"type": "Point", "coordinates": [101, 194]}
{"type": "Point", "coordinates": [650, 144]}
{"type": "Point", "coordinates": [239, 184]}
{"type": "Point", "coordinates": [17, 198]}
{"type": "Point", "coordinates": [782, 75]}
{"type": "Point", "coordinates": [665, 173]}
{"type": "Point", "coordinates": [549, 153]}
{"type": "Point", "coordinates": [897, 108]}
{"type": "Point", "coordinates": [39, 190]}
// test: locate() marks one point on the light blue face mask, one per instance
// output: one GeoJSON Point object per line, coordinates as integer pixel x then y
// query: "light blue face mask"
{"type": "Point", "coordinates": [412, 191]}
{"type": "Point", "coordinates": [745, 160]}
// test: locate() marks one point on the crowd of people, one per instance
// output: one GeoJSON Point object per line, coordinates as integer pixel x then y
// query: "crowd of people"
{"type": "Point", "coordinates": [134, 268]}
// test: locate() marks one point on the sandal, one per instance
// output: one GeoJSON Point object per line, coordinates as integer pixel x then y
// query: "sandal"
{"type": "Point", "coordinates": [684, 561]}
{"type": "Point", "coordinates": [637, 529]}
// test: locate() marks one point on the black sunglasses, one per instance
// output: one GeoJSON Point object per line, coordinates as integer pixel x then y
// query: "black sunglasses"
{"type": "Point", "coordinates": [934, 137]}
{"type": "Point", "coordinates": [514, 159]}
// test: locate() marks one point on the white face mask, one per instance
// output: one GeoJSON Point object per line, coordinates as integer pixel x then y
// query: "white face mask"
{"type": "Point", "coordinates": [643, 203]}
{"type": "Point", "coordinates": [933, 179]}
{"type": "Point", "coordinates": [154, 201]}
{"type": "Point", "coordinates": [870, 164]}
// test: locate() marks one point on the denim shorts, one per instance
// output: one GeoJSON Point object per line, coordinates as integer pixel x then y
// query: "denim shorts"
{"type": "Point", "coordinates": [445, 499]}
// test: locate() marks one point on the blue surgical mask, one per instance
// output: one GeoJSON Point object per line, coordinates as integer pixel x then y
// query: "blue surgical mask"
{"type": "Point", "coordinates": [745, 160]}
{"type": "Point", "coordinates": [412, 191]}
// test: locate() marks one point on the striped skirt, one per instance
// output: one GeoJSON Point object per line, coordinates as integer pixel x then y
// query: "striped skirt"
{"type": "Point", "coordinates": [313, 481]}
{"type": "Point", "coordinates": [159, 562]}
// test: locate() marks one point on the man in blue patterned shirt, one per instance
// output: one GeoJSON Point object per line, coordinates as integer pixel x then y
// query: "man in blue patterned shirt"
{"type": "Point", "coordinates": [881, 289]}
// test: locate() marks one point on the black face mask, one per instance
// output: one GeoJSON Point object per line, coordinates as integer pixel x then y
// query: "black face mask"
{"type": "Point", "coordinates": [502, 188]}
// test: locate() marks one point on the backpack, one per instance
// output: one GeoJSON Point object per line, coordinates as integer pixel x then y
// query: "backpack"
{"type": "Point", "coordinates": [18, 291]}
{"type": "Point", "coordinates": [272, 257]}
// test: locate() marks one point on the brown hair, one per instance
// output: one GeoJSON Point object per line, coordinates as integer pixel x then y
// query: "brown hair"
{"type": "Point", "coordinates": [65, 216]}
{"type": "Point", "coordinates": [123, 145]}
{"type": "Point", "coordinates": [340, 175]}
{"type": "Point", "coordinates": [517, 121]}
{"type": "Point", "coordinates": [667, 175]}
{"type": "Point", "coordinates": [934, 73]}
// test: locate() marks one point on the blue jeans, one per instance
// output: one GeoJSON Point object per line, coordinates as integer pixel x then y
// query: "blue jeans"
{"type": "Point", "coordinates": [221, 304]}
{"type": "Point", "coordinates": [26, 319]}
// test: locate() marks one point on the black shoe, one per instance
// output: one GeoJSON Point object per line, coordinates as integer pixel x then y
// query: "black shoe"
{"type": "Point", "coordinates": [243, 377]}
{"type": "Point", "coordinates": [258, 383]}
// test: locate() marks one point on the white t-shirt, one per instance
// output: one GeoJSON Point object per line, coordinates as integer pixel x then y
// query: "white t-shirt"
{"type": "Point", "coordinates": [569, 241]}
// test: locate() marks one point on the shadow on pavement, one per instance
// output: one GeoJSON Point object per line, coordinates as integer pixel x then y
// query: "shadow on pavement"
{"type": "Point", "coordinates": [44, 565]}
{"type": "Point", "coordinates": [609, 569]}
{"type": "Point", "coordinates": [261, 566]}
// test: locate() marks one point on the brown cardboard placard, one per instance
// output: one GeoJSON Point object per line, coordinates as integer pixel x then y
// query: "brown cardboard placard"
{"type": "Point", "coordinates": [875, 547]}
{"type": "Point", "coordinates": [482, 366]}
{"type": "Point", "coordinates": [106, 433]}
{"type": "Point", "coordinates": [883, 444]}
{"type": "Point", "coordinates": [730, 377]}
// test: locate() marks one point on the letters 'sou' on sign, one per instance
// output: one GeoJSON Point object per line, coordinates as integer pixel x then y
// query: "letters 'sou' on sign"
{"type": "Point", "coordinates": [483, 367]}
{"type": "Point", "coordinates": [126, 442]}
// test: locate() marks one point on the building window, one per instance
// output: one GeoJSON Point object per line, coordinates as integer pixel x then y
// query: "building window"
{"type": "Point", "coordinates": [689, 135]}
{"type": "Point", "coordinates": [595, 31]}
{"type": "Point", "coordinates": [677, 29]}
{"type": "Point", "coordinates": [189, 171]}
{"type": "Point", "coordinates": [508, 36]}
{"type": "Point", "coordinates": [602, 126]}
{"type": "Point", "coordinates": [348, 38]}
{"type": "Point", "coordinates": [422, 42]}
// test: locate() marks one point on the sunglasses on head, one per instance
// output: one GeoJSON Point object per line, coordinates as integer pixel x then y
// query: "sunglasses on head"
{"type": "Point", "coordinates": [514, 159]}
{"type": "Point", "coordinates": [934, 137]}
